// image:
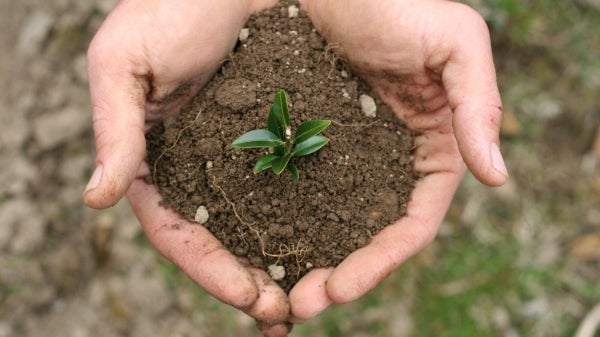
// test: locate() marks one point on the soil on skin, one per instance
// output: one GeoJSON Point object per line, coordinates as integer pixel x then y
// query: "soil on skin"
{"type": "Point", "coordinates": [348, 191]}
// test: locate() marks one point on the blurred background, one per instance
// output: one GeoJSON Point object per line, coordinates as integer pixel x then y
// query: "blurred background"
{"type": "Point", "coordinates": [520, 260]}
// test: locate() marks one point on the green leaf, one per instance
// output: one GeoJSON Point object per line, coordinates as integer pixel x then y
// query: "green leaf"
{"type": "Point", "coordinates": [274, 125]}
{"type": "Point", "coordinates": [280, 163]}
{"type": "Point", "coordinates": [264, 162]}
{"type": "Point", "coordinates": [279, 150]}
{"type": "Point", "coordinates": [257, 138]}
{"type": "Point", "coordinates": [313, 144]}
{"type": "Point", "coordinates": [309, 129]}
{"type": "Point", "coordinates": [280, 110]}
{"type": "Point", "coordinates": [294, 170]}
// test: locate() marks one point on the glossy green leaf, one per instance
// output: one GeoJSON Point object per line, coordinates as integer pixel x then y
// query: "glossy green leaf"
{"type": "Point", "coordinates": [264, 162]}
{"type": "Point", "coordinates": [309, 129]}
{"type": "Point", "coordinates": [313, 144]}
{"type": "Point", "coordinates": [280, 163]}
{"type": "Point", "coordinates": [275, 125]}
{"type": "Point", "coordinates": [280, 111]}
{"type": "Point", "coordinates": [279, 150]}
{"type": "Point", "coordinates": [257, 138]}
{"type": "Point", "coordinates": [294, 170]}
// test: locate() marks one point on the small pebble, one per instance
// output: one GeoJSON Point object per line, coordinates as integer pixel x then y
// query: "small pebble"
{"type": "Point", "coordinates": [276, 272]}
{"type": "Point", "coordinates": [345, 94]}
{"type": "Point", "coordinates": [293, 11]}
{"type": "Point", "coordinates": [201, 216]}
{"type": "Point", "coordinates": [368, 106]}
{"type": "Point", "coordinates": [244, 34]}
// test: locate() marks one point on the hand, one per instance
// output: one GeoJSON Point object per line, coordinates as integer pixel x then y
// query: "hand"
{"type": "Point", "coordinates": [147, 60]}
{"type": "Point", "coordinates": [431, 62]}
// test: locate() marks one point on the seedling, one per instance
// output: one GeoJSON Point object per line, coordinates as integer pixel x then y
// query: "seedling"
{"type": "Point", "coordinates": [278, 138]}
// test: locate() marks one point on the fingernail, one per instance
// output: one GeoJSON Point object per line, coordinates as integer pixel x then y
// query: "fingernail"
{"type": "Point", "coordinates": [95, 179]}
{"type": "Point", "coordinates": [497, 160]}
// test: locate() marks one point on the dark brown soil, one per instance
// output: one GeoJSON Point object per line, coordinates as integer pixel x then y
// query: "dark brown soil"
{"type": "Point", "coordinates": [348, 191]}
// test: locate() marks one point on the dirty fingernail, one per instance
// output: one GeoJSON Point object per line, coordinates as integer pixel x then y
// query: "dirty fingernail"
{"type": "Point", "coordinates": [95, 179]}
{"type": "Point", "coordinates": [497, 160]}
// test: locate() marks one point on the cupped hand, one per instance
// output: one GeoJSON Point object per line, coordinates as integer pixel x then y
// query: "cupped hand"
{"type": "Point", "coordinates": [431, 62]}
{"type": "Point", "coordinates": [148, 59]}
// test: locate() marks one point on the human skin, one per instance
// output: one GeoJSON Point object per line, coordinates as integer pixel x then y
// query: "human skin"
{"type": "Point", "coordinates": [429, 60]}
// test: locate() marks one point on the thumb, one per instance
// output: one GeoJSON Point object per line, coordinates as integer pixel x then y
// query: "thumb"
{"type": "Point", "coordinates": [118, 101]}
{"type": "Point", "coordinates": [469, 78]}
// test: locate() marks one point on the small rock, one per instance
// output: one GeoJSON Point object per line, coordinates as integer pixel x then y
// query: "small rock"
{"type": "Point", "coordinates": [345, 94]}
{"type": "Point", "coordinates": [202, 215]}
{"type": "Point", "coordinates": [276, 272]}
{"type": "Point", "coordinates": [293, 11]}
{"type": "Point", "coordinates": [368, 106]}
{"type": "Point", "coordinates": [244, 34]}
{"type": "Point", "coordinates": [56, 128]}
{"type": "Point", "coordinates": [34, 32]}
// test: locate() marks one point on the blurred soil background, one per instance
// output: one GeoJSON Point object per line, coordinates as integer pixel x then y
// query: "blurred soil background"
{"type": "Point", "coordinates": [521, 260]}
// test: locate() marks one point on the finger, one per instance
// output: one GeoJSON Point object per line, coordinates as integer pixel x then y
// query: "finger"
{"type": "Point", "coordinates": [279, 330]}
{"type": "Point", "coordinates": [309, 296]}
{"type": "Point", "coordinates": [260, 5]}
{"type": "Point", "coordinates": [272, 306]}
{"type": "Point", "coordinates": [470, 81]}
{"type": "Point", "coordinates": [437, 151]}
{"type": "Point", "coordinates": [362, 270]}
{"type": "Point", "coordinates": [118, 99]}
{"type": "Point", "coordinates": [193, 249]}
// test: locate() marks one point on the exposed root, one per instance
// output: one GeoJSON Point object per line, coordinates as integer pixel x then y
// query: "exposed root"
{"type": "Point", "coordinates": [284, 250]}
{"type": "Point", "coordinates": [331, 57]}
{"type": "Point", "coordinates": [154, 166]}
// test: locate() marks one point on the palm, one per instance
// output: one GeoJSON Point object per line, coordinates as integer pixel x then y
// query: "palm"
{"type": "Point", "coordinates": [421, 67]}
{"type": "Point", "coordinates": [147, 60]}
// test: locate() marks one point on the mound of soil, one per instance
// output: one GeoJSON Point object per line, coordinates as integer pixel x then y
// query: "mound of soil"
{"type": "Point", "coordinates": [348, 191]}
